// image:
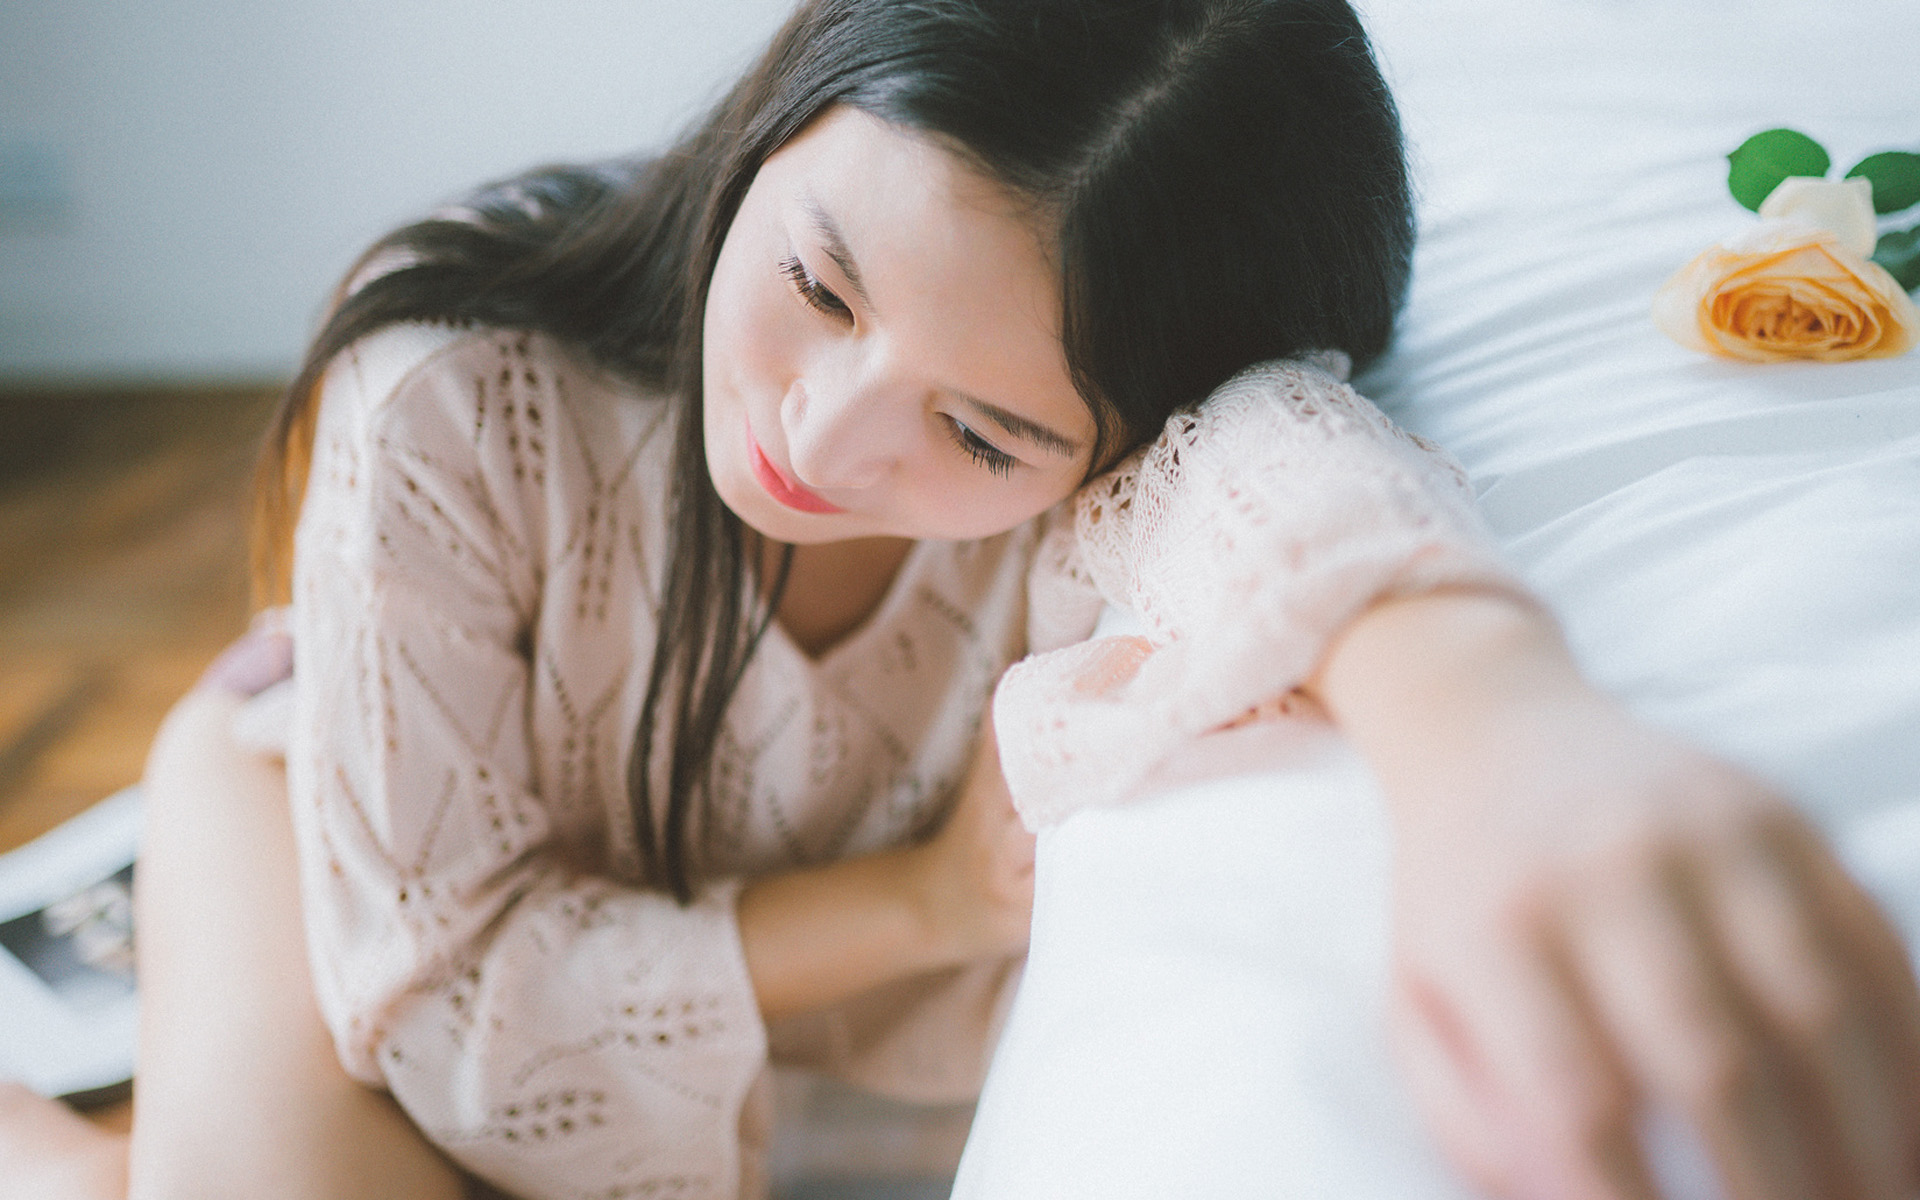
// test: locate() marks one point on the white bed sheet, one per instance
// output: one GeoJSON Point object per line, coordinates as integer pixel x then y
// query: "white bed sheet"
{"type": "Point", "coordinates": [1733, 549]}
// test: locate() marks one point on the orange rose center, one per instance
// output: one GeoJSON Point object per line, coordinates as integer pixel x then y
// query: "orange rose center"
{"type": "Point", "coordinates": [1779, 315]}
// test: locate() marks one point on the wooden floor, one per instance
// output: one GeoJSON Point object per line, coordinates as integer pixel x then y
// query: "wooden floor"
{"type": "Point", "coordinates": [123, 522]}
{"type": "Point", "coordinates": [122, 572]}
{"type": "Point", "coordinates": [123, 525]}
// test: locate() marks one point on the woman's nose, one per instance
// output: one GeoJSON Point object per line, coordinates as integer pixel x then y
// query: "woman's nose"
{"type": "Point", "coordinates": [842, 431]}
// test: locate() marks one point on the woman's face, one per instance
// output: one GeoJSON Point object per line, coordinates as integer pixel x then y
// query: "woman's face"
{"type": "Point", "coordinates": [882, 352]}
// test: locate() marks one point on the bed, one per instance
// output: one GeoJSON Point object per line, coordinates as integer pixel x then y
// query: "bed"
{"type": "Point", "coordinates": [1733, 549]}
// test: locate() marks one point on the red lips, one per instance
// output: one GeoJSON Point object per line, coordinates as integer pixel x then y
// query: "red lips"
{"type": "Point", "coordinates": [781, 488]}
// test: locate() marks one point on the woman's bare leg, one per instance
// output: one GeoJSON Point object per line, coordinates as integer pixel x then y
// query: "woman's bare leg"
{"type": "Point", "coordinates": [239, 1093]}
{"type": "Point", "coordinates": [50, 1152]}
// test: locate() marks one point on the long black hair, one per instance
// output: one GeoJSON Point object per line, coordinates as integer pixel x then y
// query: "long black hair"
{"type": "Point", "coordinates": [1223, 182]}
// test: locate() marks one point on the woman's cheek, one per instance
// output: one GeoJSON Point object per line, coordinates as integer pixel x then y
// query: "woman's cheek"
{"type": "Point", "coordinates": [749, 318]}
{"type": "Point", "coordinates": [961, 507]}
{"type": "Point", "coordinates": [767, 341]}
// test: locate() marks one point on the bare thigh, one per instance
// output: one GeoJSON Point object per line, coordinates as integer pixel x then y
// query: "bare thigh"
{"type": "Point", "coordinates": [239, 1092]}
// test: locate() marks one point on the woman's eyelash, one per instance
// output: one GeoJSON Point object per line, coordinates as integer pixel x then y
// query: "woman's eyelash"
{"type": "Point", "coordinates": [984, 453]}
{"type": "Point", "coordinates": [811, 290]}
{"type": "Point", "coordinates": [817, 295]}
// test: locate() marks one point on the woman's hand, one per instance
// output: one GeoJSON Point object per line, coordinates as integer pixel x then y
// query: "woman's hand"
{"type": "Point", "coordinates": [1596, 925]}
{"type": "Point", "coordinates": [819, 935]}
{"type": "Point", "coordinates": [1594, 922]}
{"type": "Point", "coordinates": [977, 872]}
{"type": "Point", "coordinates": [255, 661]}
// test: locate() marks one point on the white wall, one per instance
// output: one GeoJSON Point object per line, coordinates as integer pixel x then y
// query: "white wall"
{"type": "Point", "coordinates": [181, 181]}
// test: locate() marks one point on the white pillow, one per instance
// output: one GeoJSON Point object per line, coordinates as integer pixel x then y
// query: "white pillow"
{"type": "Point", "coordinates": [1733, 549]}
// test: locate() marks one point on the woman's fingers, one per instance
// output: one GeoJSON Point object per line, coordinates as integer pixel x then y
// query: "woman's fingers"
{"type": "Point", "coordinates": [984, 856]}
{"type": "Point", "coordinates": [1544, 1073]}
{"type": "Point", "coordinates": [260, 658]}
{"type": "Point", "coordinates": [1438, 1065]}
{"type": "Point", "coordinates": [1868, 940]}
{"type": "Point", "coordinates": [1651, 954]}
{"type": "Point", "coordinates": [1813, 954]}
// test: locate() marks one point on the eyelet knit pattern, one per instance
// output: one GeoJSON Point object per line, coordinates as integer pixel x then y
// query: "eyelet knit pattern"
{"type": "Point", "coordinates": [1244, 538]}
{"type": "Point", "coordinates": [477, 572]}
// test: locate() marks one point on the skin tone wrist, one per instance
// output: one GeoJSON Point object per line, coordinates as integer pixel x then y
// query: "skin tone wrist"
{"type": "Point", "coordinates": [1421, 681]}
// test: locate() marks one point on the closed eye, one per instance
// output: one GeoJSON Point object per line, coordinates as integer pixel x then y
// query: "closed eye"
{"type": "Point", "coordinates": [984, 453]}
{"type": "Point", "coordinates": [815, 294]}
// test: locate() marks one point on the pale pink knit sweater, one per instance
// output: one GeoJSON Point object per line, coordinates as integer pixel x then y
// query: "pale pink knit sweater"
{"type": "Point", "coordinates": [477, 572]}
{"type": "Point", "coordinates": [476, 581]}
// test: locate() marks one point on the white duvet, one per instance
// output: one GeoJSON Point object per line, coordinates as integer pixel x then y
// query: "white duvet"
{"type": "Point", "coordinates": [1733, 549]}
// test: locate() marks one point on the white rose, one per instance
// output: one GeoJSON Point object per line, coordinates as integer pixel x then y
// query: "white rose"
{"type": "Point", "coordinates": [1843, 207]}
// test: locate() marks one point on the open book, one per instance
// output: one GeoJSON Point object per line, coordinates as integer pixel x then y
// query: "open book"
{"type": "Point", "coordinates": [68, 1008]}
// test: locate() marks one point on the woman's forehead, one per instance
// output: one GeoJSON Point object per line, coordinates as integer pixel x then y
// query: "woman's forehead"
{"type": "Point", "coordinates": [879, 169]}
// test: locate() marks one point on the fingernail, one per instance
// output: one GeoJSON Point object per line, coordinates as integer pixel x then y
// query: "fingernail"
{"type": "Point", "coordinates": [251, 665]}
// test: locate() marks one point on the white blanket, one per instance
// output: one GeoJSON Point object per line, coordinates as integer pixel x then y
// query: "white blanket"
{"type": "Point", "coordinates": [1733, 549]}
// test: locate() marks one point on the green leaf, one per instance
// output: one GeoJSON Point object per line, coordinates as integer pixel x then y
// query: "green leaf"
{"type": "Point", "coordinates": [1895, 176]}
{"type": "Point", "coordinates": [1899, 253]}
{"type": "Point", "coordinates": [1764, 159]}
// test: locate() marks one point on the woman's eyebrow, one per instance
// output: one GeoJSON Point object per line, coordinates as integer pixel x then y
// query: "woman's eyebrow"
{"type": "Point", "coordinates": [1024, 428]}
{"type": "Point", "coordinates": [836, 246]}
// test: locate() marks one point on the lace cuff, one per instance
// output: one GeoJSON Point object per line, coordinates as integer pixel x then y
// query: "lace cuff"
{"type": "Point", "coordinates": [1244, 538]}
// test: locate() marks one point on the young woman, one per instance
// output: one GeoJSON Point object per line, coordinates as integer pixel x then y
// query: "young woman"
{"type": "Point", "coordinates": [663, 529]}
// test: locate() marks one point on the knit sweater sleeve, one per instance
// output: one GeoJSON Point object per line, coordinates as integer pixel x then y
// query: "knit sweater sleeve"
{"type": "Point", "coordinates": [556, 1032]}
{"type": "Point", "coordinates": [1244, 538]}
